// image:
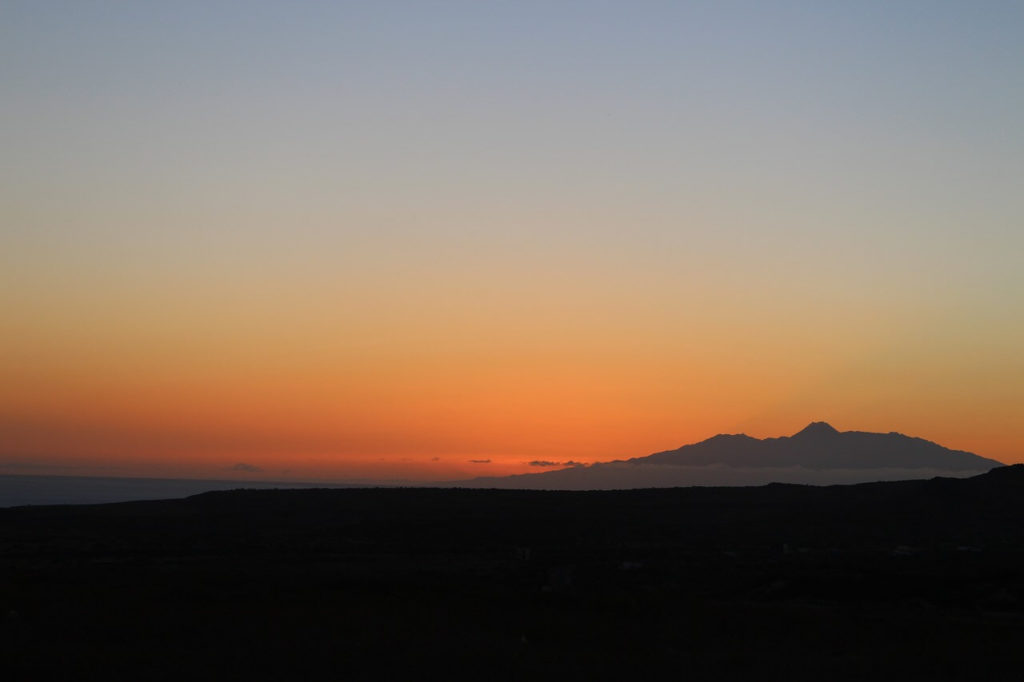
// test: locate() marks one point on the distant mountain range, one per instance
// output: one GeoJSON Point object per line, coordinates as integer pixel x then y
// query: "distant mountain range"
{"type": "Point", "coordinates": [817, 455]}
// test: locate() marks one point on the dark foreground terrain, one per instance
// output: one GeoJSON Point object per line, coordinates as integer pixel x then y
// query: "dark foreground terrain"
{"type": "Point", "coordinates": [906, 580]}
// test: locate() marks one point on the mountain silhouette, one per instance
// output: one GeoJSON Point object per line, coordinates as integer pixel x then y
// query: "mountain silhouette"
{"type": "Point", "coordinates": [819, 454]}
{"type": "Point", "coordinates": [820, 446]}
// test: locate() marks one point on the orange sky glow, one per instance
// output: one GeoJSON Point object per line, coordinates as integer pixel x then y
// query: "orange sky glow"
{"type": "Point", "coordinates": [330, 244]}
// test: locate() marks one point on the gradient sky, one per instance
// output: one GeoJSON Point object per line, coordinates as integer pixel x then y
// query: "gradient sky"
{"type": "Point", "coordinates": [384, 239]}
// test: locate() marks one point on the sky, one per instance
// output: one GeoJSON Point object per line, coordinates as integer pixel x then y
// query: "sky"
{"type": "Point", "coordinates": [431, 240]}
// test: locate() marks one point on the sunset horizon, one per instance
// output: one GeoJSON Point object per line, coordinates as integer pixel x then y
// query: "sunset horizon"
{"type": "Point", "coordinates": [383, 470]}
{"type": "Point", "coordinates": [532, 340]}
{"type": "Point", "coordinates": [335, 242]}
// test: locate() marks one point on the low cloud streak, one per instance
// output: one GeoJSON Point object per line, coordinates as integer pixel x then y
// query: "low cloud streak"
{"type": "Point", "coordinates": [548, 463]}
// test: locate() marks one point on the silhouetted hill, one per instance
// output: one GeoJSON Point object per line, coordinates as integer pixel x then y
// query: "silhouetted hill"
{"type": "Point", "coordinates": [918, 579]}
{"type": "Point", "coordinates": [817, 455]}
{"type": "Point", "coordinates": [969, 510]}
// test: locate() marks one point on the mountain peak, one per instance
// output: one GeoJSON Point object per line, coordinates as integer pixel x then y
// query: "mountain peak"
{"type": "Point", "coordinates": [817, 455]}
{"type": "Point", "coordinates": [817, 429]}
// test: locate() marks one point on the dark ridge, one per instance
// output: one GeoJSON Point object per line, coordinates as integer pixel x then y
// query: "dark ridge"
{"type": "Point", "coordinates": [919, 579]}
{"type": "Point", "coordinates": [840, 515]}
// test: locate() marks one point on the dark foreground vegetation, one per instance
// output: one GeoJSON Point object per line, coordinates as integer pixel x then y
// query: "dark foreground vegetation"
{"type": "Point", "coordinates": [908, 580]}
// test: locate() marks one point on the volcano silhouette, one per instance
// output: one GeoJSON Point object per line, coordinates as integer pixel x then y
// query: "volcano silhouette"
{"type": "Point", "coordinates": [820, 446]}
{"type": "Point", "coordinates": [819, 454]}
